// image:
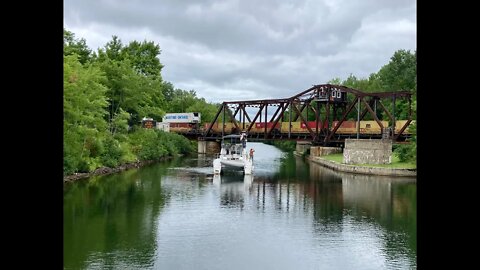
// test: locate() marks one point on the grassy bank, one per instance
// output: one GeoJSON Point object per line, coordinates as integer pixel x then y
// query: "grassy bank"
{"type": "Point", "coordinates": [396, 164]}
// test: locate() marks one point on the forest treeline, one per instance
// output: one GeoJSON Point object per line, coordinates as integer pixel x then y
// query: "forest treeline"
{"type": "Point", "coordinates": [107, 92]}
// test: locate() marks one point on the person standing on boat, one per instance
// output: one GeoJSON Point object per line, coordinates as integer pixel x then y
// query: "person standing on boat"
{"type": "Point", "coordinates": [251, 153]}
{"type": "Point", "coordinates": [243, 139]}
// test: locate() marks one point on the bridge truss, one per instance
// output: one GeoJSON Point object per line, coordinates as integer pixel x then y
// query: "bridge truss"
{"type": "Point", "coordinates": [326, 102]}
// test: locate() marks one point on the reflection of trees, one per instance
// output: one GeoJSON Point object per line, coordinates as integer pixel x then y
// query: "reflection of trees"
{"type": "Point", "coordinates": [292, 167]}
{"type": "Point", "coordinates": [388, 201]}
{"type": "Point", "coordinates": [330, 195]}
{"type": "Point", "coordinates": [111, 215]}
{"type": "Point", "coordinates": [325, 189]}
{"type": "Point", "coordinates": [404, 215]}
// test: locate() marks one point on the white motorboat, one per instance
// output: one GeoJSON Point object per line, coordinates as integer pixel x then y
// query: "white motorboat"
{"type": "Point", "coordinates": [233, 155]}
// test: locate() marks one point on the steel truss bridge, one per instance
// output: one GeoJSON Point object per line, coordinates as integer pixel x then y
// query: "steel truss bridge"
{"type": "Point", "coordinates": [326, 102]}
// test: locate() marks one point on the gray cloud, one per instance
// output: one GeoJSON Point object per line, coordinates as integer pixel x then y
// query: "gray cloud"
{"type": "Point", "coordinates": [249, 49]}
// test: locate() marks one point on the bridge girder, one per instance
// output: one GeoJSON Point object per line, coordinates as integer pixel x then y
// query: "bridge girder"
{"type": "Point", "coordinates": [332, 97]}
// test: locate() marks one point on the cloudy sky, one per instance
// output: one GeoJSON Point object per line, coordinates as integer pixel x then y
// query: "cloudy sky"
{"type": "Point", "coordinates": [229, 50]}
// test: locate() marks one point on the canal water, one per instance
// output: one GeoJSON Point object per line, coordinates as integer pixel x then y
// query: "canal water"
{"type": "Point", "coordinates": [290, 214]}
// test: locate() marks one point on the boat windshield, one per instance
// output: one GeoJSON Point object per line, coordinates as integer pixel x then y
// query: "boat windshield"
{"type": "Point", "coordinates": [232, 144]}
{"type": "Point", "coordinates": [231, 139]}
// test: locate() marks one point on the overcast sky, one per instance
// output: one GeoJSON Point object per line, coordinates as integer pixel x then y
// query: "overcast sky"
{"type": "Point", "coordinates": [229, 50]}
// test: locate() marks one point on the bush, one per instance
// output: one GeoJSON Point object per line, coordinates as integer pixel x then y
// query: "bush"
{"type": "Point", "coordinates": [112, 153]}
{"type": "Point", "coordinates": [72, 152]}
{"type": "Point", "coordinates": [287, 146]}
{"type": "Point", "coordinates": [406, 153]}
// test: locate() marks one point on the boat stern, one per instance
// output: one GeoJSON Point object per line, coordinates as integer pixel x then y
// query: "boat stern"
{"type": "Point", "coordinates": [217, 166]}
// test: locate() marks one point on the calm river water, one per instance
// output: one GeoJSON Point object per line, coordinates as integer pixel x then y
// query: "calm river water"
{"type": "Point", "coordinates": [290, 215]}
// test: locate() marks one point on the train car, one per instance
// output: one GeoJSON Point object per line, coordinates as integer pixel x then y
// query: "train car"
{"type": "Point", "coordinates": [228, 128]}
{"type": "Point", "coordinates": [312, 125]}
{"type": "Point", "coordinates": [368, 127]}
{"type": "Point", "coordinates": [347, 127]}
{"type": "Point", "coordinates": [193, 117]}
{"type": "Point", "coordinates": [372, 127]}
{"type": "Point", "coordinates": [163, 126]}
{"type": "Point", "coordinates": [300, 127]}
{"type": "Point", "coordinates": [399, 124]}
{"type": "Point", "coordinates": [148, 123]}
{"type": "Point", "coordinates": [183, 122]}
{"type": "Point", "coordinates": [260, 127]}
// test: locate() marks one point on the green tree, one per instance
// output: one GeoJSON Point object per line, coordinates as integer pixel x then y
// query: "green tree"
{"type": "Point", "coordinates": [133, 79]}
{"type": "Point", "coordinates": [206, 109]}
{"type": "Point", "coordinates": [400, 73]}
{"type": "Point", "coordinates": [119, 122]}
{"type": "Point", "coordinates": [84, 110]}
{"type": "Point", "coordinates": [144, 57]}
{"type": "Point", "coordinates": [72, 45]}
{"type": "Point", "coordinates": [181, 100]}
{"type": "Point", "coordinates": [168, 91]}
{"type": "Point", "coordinates": [112, 50]}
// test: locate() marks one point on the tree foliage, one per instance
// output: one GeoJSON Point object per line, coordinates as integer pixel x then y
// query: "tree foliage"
{"type": "Point", "coordinates": [72, 45]}
{"type": "Point", "coordinates": [143, 57]}
{"type": "Point", "coordinates": [399, 74]}
{"type": "Point", "coordinates": [84, 110]}
{"type": "Point", "coordinates": [106, 94]}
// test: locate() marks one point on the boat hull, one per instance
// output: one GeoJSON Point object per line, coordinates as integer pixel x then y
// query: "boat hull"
{"type": "Point", "coordinates": [239, 164]}
{"type": "Point", "coordinates": [221, 164]}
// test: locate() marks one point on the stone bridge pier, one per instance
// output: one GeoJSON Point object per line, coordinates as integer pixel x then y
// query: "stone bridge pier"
{"type": "Point", "coordinates": [208, 147]}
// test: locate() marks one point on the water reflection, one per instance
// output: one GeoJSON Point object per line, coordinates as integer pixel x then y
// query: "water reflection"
{"type": "Point", "coordinates": [229, 179]}
{"type": "Point", "coordinates": [110, 220]}
{"type": "Point", "coordinates": [389, 202]}
{"type": "Point", "coordinates": [233, 188]}
{"type": "Point", "coordinates": [289, 214]}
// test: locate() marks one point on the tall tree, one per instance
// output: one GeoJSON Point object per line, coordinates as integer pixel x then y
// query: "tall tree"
{"type": "Point", "coordinates": [206, 109]}
{"type": "Point", "coordinates": [181, 100]}
{"type": "Point", "coordinates": [144, 57]}
{"type": "Point", "coordinates": [84, 109]}
{"type": "Point", "coordinates": [168, 91]}
{"type": "Point", "coordinates": [72, 45]}
{"type": "Point", "coordinates": [401, 72]}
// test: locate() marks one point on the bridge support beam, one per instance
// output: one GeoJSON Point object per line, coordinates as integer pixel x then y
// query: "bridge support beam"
{"type": "Point", "coordinates": [367, 151]}
{"type": "Point", "coordinates": [302, 147]}
{"type": "Point", "coordinates": [318, 151]}
{"type": "Point", "coordinates": [208, 147]}
{"type": "Point", "coordinates": [202, 147]}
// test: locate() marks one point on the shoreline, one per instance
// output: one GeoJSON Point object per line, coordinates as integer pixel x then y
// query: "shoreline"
{"type": "Point", "coordinates": [361, 169]}
{"type": "Point", "coordinates": [108, 170]}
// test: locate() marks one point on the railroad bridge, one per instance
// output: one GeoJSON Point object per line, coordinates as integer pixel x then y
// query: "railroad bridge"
{"type": "Point", "coordinates": [323, 114]}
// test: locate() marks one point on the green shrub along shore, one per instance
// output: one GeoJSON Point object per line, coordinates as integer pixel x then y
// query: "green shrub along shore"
{"type": "Point", "coordinates": [142, 145]}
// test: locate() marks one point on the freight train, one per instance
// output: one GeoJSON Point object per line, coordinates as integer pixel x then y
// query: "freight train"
{"type": "Point", "coordinates": [189, 123]}
{"type": "Point", "coordinates": [369, 127]}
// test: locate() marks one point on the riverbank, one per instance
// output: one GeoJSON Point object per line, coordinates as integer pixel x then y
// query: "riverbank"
{"type": "Point", "coordinates": [363, 169]}
{"type": "Point", "coordinates": [107, 170]}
